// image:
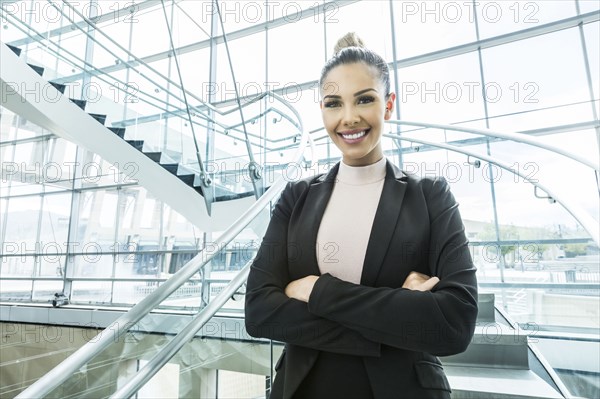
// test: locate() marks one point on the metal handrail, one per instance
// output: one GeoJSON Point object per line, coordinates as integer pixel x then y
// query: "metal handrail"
{"type": "Point", "coordinates": [586, 221]}
{"type": "Point", "coordinates": [135, 383]}
{"type": "Point", "coordinates": [73, 363]}
{"type": "Point", "coordinates": [518, 137]}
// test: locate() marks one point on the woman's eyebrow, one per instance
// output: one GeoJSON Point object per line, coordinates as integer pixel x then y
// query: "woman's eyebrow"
{"type": "Point", "coordinates": [358, 93]}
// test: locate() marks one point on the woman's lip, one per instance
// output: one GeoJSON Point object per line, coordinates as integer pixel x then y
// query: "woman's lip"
{"type": "Point", "coordinates": [354, 141]}
{"type": "Point", "coordinates": [354, 131]}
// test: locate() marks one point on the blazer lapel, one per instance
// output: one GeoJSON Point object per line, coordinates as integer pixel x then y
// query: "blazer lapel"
{"type": "Point", "coordinates": [317, 198]}
{"type": "Point", "coordinates": [384, 224]}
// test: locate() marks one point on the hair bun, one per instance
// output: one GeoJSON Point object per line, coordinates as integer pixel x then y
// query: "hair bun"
{"type": "Point", "coordinates": [350, 39]}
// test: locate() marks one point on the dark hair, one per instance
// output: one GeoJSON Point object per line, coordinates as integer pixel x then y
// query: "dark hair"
{"type": "Point", "coordinates": [350, 49]}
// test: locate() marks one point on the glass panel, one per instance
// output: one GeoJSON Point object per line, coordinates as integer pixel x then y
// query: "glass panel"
{"type": "Point", "coordinates": [248, 60]}
{"type": "Point", "coordinates": [436, 24]}
{"type": "Point", "coordinates": [52, 264]}
{"type": "Point", "coordinates": [17, 290]}
{"type": "Point", "coordinates": [235, 15]}
{"type": "Point", "coordinates": [530, 82]}
{"type": "Point", "coordinates": [91, 292]}
{"type": "Point", "coordinates": [290, 64]}
{"type": "Point", "coordinates": [592, 43]}
{"type": "Point", "coordinates": [22, 224]}
{"type": "Point", "coordinates": [92, 264]}
{"type": "Point", "coordinates": [55, 223]}
{"type": "Point", "coordinates": [588, 6]}
{"type": "Point", "coordinates": [500, 17]}
{"type": "Point", "coordinates": [294, 11]}
{"type": "Point", "coordinates": [15, 264]}
{"type": "Point", "coordinates": [44, 290]}
{"type": "Point", "coordinates": [189, 28]}
{"type": "Point", "coordinates": [339, 19]}
{"type": "Point", "coordinates": [150, 37]}
{"type": "Point", "coordinates": [443, 91]}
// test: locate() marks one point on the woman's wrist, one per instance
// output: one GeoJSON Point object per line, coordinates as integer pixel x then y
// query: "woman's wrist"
{"type": "Point", "coordinates": [302, 288]}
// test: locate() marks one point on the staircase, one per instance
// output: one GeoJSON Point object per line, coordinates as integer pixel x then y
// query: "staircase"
{"type": "Point", "coordinates": [154, 170]}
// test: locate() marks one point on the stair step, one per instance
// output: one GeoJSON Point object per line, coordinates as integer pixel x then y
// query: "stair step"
{"type": "Point", "coordinates": [80, 103]}
{"type": "Point", "coordinates": [487, 312]}
{"type": "Point", "coordinates": [99, 117]}
{"type": "Point", "coordinates": [138, 144]}
{"type": "Point", "coordinates": [119, 131]}
{"type": "Point", "coordinates": [155, 156]}
{"type": "Point", "coordinates": [187, 179]}
{"type": "Point", "coordinates": [59, 86]}
{"type": "Point", "coordinates": [15, 50]}
{"type": "Point", "coordinates": [171, 167]}
{"type": "Point", "coordinates": [493, 344]}
{"type": "Point", "coordinates": [233, 196]}
{"type": "Point", "coordinates": [38, 69]}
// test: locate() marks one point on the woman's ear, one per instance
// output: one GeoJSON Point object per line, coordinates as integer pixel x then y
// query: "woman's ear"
{"type": "Point", "coordinates": [389, 106]}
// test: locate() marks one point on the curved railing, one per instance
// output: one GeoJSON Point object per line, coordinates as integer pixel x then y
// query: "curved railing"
{"type": "Point", "coordinates": [583, 217]}
{"type": "Point", "coordinates": [517, 137]}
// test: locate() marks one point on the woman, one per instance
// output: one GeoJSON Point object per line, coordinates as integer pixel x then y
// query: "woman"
{"type": "Point", "coordinates": [343, 272]}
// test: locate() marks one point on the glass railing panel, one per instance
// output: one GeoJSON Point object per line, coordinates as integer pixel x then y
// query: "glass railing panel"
{"type": "Point", "coordinates": [230, 368]}
{"type": "Point", "coordinates": [111, 368]}
{"type": "Point", "coordinates": [207, 366]}
{"type": "Point", "coordinates": [101, 376]}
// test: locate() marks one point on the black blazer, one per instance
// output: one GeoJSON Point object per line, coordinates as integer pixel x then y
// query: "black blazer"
{"type": "Point", "coordinates": [397, 332]}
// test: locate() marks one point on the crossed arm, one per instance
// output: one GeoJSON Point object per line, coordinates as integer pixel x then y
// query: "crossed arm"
{"type": "Point", "coordinates": [302, 288]}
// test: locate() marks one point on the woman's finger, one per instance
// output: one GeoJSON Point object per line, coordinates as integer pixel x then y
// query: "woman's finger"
{"type": "Point", "coordinates": [429, 284]}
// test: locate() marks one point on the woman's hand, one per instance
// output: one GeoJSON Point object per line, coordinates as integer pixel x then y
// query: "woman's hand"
{"type": "Point", "coordinates": [300, 289]}
{"type": "Point", "coordinates": [420, 282]}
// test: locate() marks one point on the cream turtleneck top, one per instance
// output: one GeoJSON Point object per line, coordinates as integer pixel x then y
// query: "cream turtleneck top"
{"type": "Point", "coordinates": [346, 225]}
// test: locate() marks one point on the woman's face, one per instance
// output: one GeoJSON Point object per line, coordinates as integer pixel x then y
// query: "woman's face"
{"type": "Point", "coordinates": [354, 108]}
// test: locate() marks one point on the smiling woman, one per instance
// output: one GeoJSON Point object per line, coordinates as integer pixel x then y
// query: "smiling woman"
{"type": "Point", "coordinates": [364, 272]}
{"type": "Point", "coordinates": [354, 105]}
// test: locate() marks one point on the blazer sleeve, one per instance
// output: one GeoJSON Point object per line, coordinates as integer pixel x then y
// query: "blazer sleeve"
{"type": "Point", "coordinates": [440, 321]}
{"type": "Point", "coordinates": [270, 313]}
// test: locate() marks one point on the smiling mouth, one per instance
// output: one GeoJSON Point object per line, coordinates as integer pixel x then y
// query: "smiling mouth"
{"type": "Point", "coordinates": [354, 136]}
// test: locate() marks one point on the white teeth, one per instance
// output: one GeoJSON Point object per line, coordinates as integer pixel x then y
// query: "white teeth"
{"type": "Point", "coordinates": [355, 135]}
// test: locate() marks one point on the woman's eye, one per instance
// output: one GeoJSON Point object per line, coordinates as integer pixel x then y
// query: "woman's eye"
{"type": "Point", "coordinates": [365, 100]}
{"type": "Point", "coordinates": [331, 104]}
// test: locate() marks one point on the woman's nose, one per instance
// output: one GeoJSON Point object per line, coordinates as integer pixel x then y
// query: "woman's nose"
{"type": "Point", "coordinates": [350, 116]}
